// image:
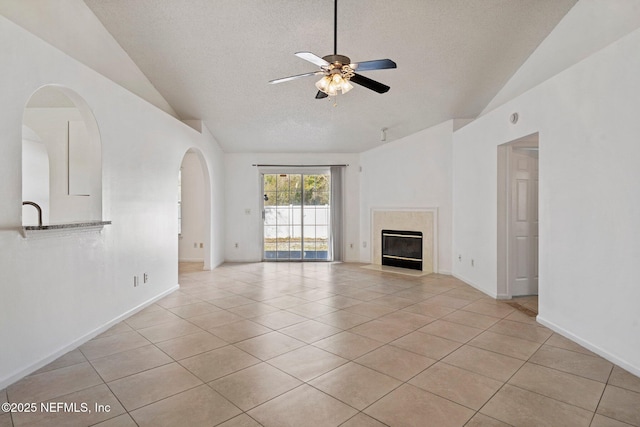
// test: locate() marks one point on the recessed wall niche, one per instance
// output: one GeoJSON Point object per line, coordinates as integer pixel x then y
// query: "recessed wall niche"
{"type": "Point", "coordinates": [61, 160]}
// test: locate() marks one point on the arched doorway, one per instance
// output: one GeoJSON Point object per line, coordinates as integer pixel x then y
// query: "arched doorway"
{"type": "Point", "coordinates": [194, 213]}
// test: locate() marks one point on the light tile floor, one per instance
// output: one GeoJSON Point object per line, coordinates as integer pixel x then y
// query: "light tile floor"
{"type": "Point", "coordinates": [319, 344]}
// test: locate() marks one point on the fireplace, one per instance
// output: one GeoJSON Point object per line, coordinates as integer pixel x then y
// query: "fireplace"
{"type": "Point", "coordinates": [422, 220]}
{"type": "Point", "coordinates": [402, 249]}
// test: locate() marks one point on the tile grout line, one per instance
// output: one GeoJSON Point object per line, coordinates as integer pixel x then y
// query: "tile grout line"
{"type": "Point", "coordinates": [540, 394]}
{"type": "Point", "coordinates": [604, 389]}
{"type": "Point", "coordinates": [383, 344]}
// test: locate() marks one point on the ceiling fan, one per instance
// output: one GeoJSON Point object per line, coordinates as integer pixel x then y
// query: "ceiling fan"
{"type": "Point", "coordinates": [338, 71]}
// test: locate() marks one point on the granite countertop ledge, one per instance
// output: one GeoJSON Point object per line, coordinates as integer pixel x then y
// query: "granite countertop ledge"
{"type": "Point", "coordinates": [69, 225]}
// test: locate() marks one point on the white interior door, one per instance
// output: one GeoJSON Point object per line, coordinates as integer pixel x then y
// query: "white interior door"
{"type": "Point", "coordinates": [523, 222]}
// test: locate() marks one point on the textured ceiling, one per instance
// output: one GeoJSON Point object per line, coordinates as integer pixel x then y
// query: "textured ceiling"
{"type": "Point", "coordinates": [212, 59]}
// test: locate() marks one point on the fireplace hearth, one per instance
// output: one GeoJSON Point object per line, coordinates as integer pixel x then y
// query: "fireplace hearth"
{"type": "Point", "coordinates": [401, 248]}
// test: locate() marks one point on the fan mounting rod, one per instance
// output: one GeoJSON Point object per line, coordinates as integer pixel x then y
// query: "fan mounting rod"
{"type": "Point", "coordinates": [335, 29]}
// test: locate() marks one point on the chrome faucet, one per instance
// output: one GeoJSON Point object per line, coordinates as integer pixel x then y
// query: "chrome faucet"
{"type": "Point", "coordinates": [37, 206]}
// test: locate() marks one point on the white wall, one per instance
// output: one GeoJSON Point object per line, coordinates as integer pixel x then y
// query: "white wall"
{"type": "Point", "coordinates": [588, 27]}
{"type": "Point", "coordinates": [412, 172]}
{"type": "Point", "coordinates": [215, 185]}
{"type": "Point", "coordinates": [243, 192]}
{"type": "Point", "coordinates": [59, 291]}
{"type": "Point", "coordinates": [59, 22]}
{"type": "Point", "coordinates": [193, 207]}
{"type": "Point", "coordinates": [589, 207]}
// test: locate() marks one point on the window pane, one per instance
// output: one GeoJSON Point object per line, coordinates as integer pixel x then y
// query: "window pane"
{"type": "Point", "coordinates": [270, 182]}
{"type": "Point", "coordinates": [283, 183]}
{"type": "Point", "coordinates": [283, 198]}
{"type": "Point", "coordinates": [296, 216]}
{"type": "Point", "coordinates": [283, 215]}
{"type": "Point", "coordinates": [309, 215]}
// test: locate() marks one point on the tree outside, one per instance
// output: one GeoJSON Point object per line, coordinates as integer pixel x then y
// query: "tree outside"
{"type": "Point", "coordinates": [286, 189]}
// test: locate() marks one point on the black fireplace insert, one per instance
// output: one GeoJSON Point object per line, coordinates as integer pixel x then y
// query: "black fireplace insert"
{"type": "Point", "coordinates": [402, 248]}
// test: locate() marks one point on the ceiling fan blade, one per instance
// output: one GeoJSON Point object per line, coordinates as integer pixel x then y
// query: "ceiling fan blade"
{"type": "Point", "coordinates": [313, 58]}
{"type": "Point", "coordinates": [369, 84]}
{"type": "Point", "coordinates": [286, 79]}
{"type": "Point", "coordinates": [377, 64]}
{"type": "Point", "coordinates": [321, 95]}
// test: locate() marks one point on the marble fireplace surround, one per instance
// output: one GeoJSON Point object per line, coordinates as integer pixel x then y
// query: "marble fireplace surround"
{"type": "Point", "coordinates": [416, 219]}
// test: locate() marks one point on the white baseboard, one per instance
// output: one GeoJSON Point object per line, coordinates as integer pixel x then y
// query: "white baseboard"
{"type": "Point", "coordinates": [635, 370]}
{"type": "Point", "coordinates": [241, 260]}
{"type": "Point", "coordinates": [473, 285]}
{"type": "Point", "coordinates": [5, 382]}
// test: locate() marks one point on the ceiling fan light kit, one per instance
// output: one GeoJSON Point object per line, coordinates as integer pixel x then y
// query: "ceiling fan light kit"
{"type": "Point", "coordinates": [337, 76]}
{"type": "Point", "coordinates": [338, 71]}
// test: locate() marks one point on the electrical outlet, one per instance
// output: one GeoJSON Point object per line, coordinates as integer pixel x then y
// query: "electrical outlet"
{"type": "Point", "coordinates": [201, 245]}
{"type": "Point", "coordinates": [472, 263]}
{"type": "Point", "coordinates": [351, 245]}
{"type": "Point", "coordinates": [145, 278]}
{"type": "Point", "coordinates": [236, 245]}
{"type": "Point", "coordinates": [195, 245]}
{"type": "Point", "coordinates": [135, 281]}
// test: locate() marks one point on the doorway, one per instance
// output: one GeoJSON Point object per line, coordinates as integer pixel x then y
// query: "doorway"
{"type": "Point", "coordinates": [296, 216]}
{"type": "Point", "coordinates": [518, 217]}
{"type": "Point", "coordinates": [194, 212]}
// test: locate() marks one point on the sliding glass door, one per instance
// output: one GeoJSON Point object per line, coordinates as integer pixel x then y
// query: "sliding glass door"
{"type": "Point", "coordinates": [282, 219]}
{"type": "Point", "coordinates": [296, 213]}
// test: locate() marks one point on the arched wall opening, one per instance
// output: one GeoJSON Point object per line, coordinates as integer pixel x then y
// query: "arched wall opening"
{"type": "Point", "coordinates": [194, 211]}
{"type": "Point", "coordinates": [69, 187]}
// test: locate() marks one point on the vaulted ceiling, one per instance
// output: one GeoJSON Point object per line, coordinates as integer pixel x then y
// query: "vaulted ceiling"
{"type": "Point", "coordinates": [212, 59]}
